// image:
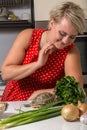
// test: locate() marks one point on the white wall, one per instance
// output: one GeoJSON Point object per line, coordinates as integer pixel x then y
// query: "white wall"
{"type": "Point", "coordinates": [43, 7]}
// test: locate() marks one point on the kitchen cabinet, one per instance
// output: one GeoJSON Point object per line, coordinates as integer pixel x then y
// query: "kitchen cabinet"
{"type": "Point", "coordinates": [16, 14]}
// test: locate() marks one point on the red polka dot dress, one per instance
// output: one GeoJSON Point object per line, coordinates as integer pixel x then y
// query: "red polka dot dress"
{"type": "Point", "coordinates": [43, 78]}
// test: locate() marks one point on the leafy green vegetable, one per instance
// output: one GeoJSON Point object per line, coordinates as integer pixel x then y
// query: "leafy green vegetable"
{"type": "Point", "coordinates": [69, 90]}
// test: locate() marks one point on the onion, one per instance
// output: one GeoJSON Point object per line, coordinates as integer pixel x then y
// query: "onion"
{"type": "Point", "coordinates": [83, 118]}
{"type": "Point", "coordinates": [82, 107]}
{"type": "Point", "coordinates": [70, 112]}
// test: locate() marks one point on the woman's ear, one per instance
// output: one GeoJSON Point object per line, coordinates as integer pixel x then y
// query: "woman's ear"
{"type": "Point", "coordinates": [51, 24]}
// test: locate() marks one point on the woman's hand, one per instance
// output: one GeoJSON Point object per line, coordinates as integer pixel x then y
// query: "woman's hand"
{"type": "Point", "coordinates": [35, 93]}
{"type": "Point", "coordinates": [44, 53]}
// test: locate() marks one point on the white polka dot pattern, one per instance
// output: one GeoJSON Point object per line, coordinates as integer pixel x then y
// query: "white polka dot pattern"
{"type": "Point", "coordinates": [44, 77]}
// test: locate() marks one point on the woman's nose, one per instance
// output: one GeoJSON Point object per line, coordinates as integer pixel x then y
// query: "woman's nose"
{"type": "Point", "coordinates": [66, 40]}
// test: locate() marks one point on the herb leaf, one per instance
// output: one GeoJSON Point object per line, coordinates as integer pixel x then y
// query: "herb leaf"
{"type": "Point", "coordinates": [69, 90]}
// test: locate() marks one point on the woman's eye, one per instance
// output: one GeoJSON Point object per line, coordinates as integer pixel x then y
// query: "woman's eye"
{"type": "Point", "coordinates": [62, 33]}
{"type": "Point", "coordinates": [72, 37]}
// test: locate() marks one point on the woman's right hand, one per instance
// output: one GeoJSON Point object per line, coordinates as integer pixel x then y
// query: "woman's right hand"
{"type": "Point", "coordinates": [44, 53]}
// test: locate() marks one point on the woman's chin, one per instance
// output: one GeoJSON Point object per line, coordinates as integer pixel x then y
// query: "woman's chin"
{"type": "Point", "coordinates": [59, 47]}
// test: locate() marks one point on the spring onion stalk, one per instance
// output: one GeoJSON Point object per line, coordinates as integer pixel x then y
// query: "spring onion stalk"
{"type": "Point", "coordinates": [46, 112]}
{"type": "Point", "coordinates": [18, 116]}
{"type": "Point", "coordinates": [53, 104]}
{"type": "Point", "coordinates": [28, 120]}
{"type": "Point", "coordinates": [28, 113]}
{"type": "Point", "coordinates": [38, 116]}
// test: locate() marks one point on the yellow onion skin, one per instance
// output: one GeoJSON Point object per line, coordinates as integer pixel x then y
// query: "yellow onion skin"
{"type": "Point", "coordinates": [70, 112]}
{"type": "Point", "coordinates": [82, 107]}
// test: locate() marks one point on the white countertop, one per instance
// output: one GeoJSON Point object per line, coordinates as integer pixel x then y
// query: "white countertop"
{"type": "Point", "coordinates": [2, 87]}
{"type": "Point", "coordinates": [56, 123]}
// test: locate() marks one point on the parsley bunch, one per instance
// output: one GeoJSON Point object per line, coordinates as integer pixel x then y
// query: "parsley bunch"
{"type": "Point", "coordinates": [69, 90]}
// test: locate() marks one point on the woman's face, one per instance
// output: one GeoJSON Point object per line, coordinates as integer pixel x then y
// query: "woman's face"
{"type": "Point", "coordinates": [63, 33]}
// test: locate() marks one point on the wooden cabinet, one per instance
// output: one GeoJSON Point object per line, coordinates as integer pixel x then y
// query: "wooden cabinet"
{"type": "Point", "coordinates": [20, 14]}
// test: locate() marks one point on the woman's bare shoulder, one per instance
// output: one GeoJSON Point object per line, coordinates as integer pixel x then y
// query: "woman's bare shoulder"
{"type": "Point", "coordinates": [74, 50]}
{"type": "Point", "coordinates": [26, 33]}
{"type": "Point", "coordinates": [23, 38]}
{"type": "Point", "coordinates": [73, 54]}
{"type": "Point", "coordinates": [28, 30]}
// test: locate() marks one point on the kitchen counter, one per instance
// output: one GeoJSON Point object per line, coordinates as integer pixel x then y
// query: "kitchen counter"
{"type": "Point", "coordinates": [56, 123]}
{"type": "Point", "coordinates": [2, 87]}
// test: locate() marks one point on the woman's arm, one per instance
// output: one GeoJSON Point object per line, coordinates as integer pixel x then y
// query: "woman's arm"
{"type": "Point", "coordinates": [73, 65]}
{"type": "Point", "coordinates": [11, 67]}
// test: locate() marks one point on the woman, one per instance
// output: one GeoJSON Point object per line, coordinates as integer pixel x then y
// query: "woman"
{"type": "Point", "coordinates": [39, 57]}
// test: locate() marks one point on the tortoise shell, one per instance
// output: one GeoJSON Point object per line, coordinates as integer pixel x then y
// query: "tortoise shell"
{"type": "Point", "coordinates": [42, 99]}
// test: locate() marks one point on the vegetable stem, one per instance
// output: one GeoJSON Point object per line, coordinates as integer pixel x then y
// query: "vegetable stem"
{"type": "Point", "coordinates": [42, 113]}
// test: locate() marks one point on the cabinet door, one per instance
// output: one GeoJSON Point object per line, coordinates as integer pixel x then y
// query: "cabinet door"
{"type": "Point", "coordinates": [43, 7]}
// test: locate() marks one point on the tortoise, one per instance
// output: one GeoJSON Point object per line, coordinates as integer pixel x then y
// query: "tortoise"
{"type": "Point", "coordinates": [42, 99]}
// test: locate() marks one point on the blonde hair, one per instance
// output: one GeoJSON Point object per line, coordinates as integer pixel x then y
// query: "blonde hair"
{"type": "Point", "coordinates": [73, 12]}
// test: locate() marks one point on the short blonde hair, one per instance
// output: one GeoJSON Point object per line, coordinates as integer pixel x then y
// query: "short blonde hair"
{"type": "Point", "coordinates": [73, 12]}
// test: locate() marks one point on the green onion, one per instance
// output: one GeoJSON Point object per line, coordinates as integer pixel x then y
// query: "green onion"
{"type": "Point", "coordinates": [43, 113]}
